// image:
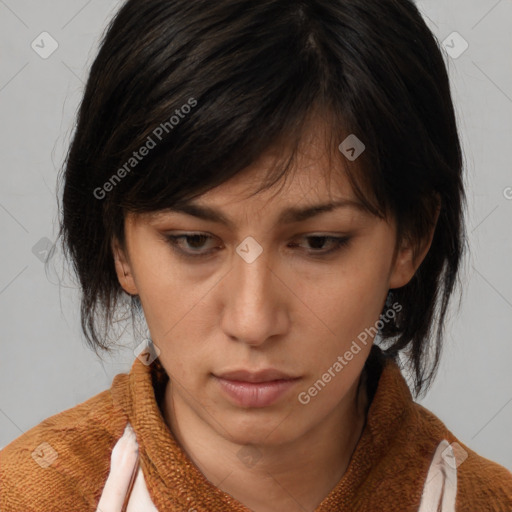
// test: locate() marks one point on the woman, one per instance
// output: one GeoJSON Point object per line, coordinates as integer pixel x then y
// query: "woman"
{"type": "Point", "coordinates": [274, 186]}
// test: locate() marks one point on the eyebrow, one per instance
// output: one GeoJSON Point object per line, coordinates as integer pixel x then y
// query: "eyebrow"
{"type": "Point", "coordinates": [287, 216]}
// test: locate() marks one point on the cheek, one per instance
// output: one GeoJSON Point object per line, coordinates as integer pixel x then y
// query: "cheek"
{"type": "Point", "coordinates": [342, 302]}
{"type": "Point", "coordinates": [176, 305]}
{"type": "Point", "coordinates": [165, 290]}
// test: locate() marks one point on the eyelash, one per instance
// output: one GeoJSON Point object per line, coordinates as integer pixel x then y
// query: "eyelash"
{"type": "Point", "coordinates": [338, 242]}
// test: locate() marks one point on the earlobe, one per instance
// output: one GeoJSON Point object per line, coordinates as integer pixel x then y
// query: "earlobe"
{"type": "Point", "coordinates": [407, 263]}
{"type": "Point", "coordinates": [403, 268]}
{"type": "Point", "coordinates": [123, 269]}
{"type": "Point", "coordinates": [408, 259]}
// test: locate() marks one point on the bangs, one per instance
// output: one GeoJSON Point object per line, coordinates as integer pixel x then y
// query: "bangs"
{"type": "Point", "coordinates": [199, 132]}
{"type": "Point", "coordinates": [157, 186]}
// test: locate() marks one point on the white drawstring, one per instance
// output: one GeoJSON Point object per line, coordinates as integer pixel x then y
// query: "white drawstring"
{"type": "Point", "coordinates": [117, 495]}
{"type": "Point", "coordinates": [440, 489]}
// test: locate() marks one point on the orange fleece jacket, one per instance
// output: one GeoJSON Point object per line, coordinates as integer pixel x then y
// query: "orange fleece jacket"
{"type": "Point", "coordinates": [62, 463]}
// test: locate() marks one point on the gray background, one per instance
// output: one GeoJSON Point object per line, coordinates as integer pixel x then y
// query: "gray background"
{"type": "Point", "coordinates": [45, 366]}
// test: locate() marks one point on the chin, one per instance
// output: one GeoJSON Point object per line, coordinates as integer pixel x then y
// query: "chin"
{"type": "Point", "coordinates": [250, 427]}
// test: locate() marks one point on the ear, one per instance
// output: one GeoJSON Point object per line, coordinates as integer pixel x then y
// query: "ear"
{"type": "Point", "coordinates": [123, 269]}
{"type": "Point", "coordinates": [406, 261]}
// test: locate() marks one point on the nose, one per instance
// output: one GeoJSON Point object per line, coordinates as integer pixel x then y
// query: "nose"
{"type": "Point", "coordinates": [255, 301]}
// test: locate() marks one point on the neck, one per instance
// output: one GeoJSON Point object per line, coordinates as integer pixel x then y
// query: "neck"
{"type": "Point", "coordinates": [293, 476]}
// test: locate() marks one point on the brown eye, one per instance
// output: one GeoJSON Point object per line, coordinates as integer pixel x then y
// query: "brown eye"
{"type": "Point", "coordinates": [191, 245]}
{"type": "Point", "coordinates": [317, 244]}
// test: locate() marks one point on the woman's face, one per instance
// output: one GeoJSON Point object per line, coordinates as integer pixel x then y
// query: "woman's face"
{"type": "Point", "coordinates": [262, 287]}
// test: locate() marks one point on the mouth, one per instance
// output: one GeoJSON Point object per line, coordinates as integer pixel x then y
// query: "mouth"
{"type": "Point", "coordinates": [255, 389]}
{"type": "Point", "coordinates": [267, 375]}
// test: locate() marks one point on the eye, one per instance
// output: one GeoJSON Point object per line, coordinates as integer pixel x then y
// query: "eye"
{"type": "Point", "coordinates": [190, 245]}
{"type": "Point", "coordinates": [319, 242]}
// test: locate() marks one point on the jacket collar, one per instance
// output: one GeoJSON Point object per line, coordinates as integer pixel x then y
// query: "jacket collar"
{"type": "Point", "coordinates": [174, 481]}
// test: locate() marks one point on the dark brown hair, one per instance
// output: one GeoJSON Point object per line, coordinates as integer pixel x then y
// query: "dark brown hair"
{"type": "Point", "coordinates": [213, 85]}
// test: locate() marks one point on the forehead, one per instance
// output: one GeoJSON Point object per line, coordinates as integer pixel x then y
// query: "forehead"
{"type": "Point", "coordinates": [307, 195]}
{"type": "Point", "coordinates": [316, 172]}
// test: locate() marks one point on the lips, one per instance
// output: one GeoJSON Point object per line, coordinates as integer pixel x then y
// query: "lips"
{"type": "Point", "coordinates": [255, 389]}
{"type": "Point", "coordinates": [267, 375]}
